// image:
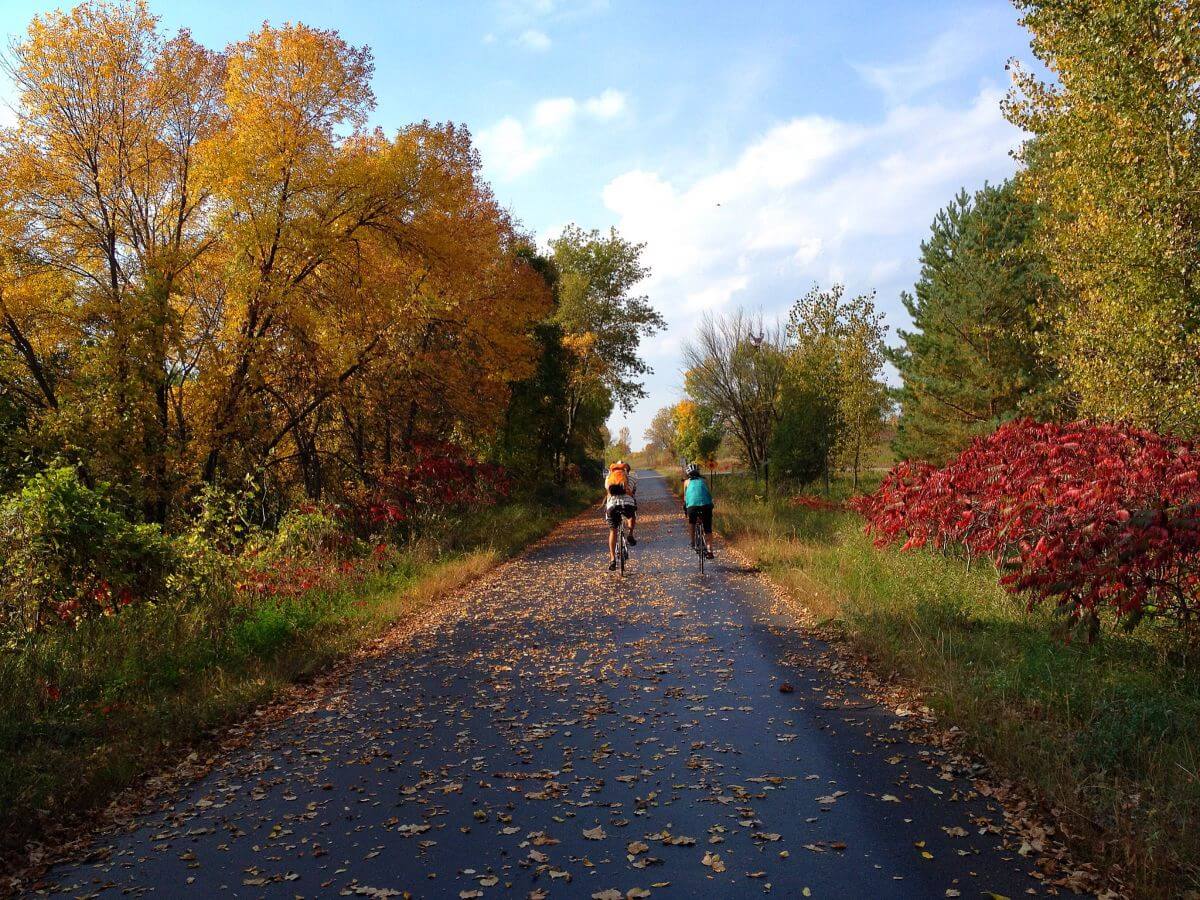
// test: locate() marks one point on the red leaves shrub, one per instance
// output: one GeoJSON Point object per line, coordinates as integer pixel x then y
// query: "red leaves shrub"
{"type": "Point", "coordinates": [435, 479]}
{"type": "Point", "coordinates": [1090, 516]}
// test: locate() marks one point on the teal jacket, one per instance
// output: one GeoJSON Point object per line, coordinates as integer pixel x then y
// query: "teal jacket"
{"type": "Point", "coordinates": [696, 493]}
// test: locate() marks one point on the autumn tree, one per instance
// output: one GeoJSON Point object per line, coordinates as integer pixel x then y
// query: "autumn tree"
{"type": "Point", "coordinates": [211, 268]}
{"type": "Point", "coordinates": [698, 432]}
{"type": "Point", "coordinates": [1114, 169]}
{"type": "Point", "coordinates": [618, 446]}
{"type": "Point", "coordinates": [660, 434]}
{"type": "Point", "coordinates": [602, 321]}
{"type": "Point", "coordinates": [101, 186]}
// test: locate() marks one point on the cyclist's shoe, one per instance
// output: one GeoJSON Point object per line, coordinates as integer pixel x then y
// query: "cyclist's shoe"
{"type": "Point", "coordinates": [708, 554]}
{"type": "Point", "coordinates": [612, 566]}
{"type": "Point", "coordinates": [631, 540]}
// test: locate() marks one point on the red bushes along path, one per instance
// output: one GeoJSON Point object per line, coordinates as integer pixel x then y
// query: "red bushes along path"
{"type": "Point", "coordinates": [1090, 516]}
{"type": "Point", "coordinates": [437, 477]}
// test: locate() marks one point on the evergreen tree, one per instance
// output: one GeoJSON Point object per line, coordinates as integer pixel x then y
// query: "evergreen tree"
{"type": "Point", "coordinates": [970, 361]}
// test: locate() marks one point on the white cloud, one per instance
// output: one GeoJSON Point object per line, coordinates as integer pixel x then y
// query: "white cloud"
{"type": "Point", "coordinates": [811, 199]}
{"type": "Point", "coordinates": [509, 150]}
{"type": "Point", "coordinates": [554, 114]}
{"type": "Point", "coordinates": [717, 294]}
{"type": "Point", "coordinates": [513, 147]}
{"type": "Point", "coordinates": [607, 105]}
{"type": "Point", "coordinates": [951, 54]}
{"type": "Point", "coordinates": [533, 39]}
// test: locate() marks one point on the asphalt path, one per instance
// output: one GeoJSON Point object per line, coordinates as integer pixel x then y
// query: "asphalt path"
{"type": "Point", "coordinates": [577, 734]}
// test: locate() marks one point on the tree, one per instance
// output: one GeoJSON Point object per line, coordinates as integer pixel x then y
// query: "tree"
{"type": "Point", "coordinates": [802, 445]}
{"type": "Point", "coordinates": [1114, 169]}
{"type": "Point", "coordinates": [619, 447]}
{"type": "Point", "coordinates": [836, 361]}
{"type": "Point", "coordinates": [735, 367]}
{"type": "Point", "coordinates": [971, 359]}
{"type": "Point", "coordinates": [100, 179]}
{"type": "Point", "coordinates": [698, 432]}
{"type": "Point", "coordinates": [660, 436]}
{"type": "Point", "coordinates": [211, 269]}
{"type": "Point", "coordinates": [603, 324]}
{"type": "Point", "coordinates": [534, 431]}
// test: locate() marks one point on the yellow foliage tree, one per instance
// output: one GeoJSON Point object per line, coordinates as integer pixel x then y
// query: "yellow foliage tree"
{"type": "Point", "coordinates": [210, 267]}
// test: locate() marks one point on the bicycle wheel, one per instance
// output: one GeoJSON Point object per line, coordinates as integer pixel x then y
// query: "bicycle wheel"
{"type": "Point", "coordinates": [698, 543]}
{"type": "Point", "coordinates": [623, 550]}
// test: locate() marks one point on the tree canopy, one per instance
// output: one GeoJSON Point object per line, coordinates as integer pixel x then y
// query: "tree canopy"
{"type": "Point", "coordinates": [1114, 169]}
{"type": "Point", "coordinates": [212, 268]}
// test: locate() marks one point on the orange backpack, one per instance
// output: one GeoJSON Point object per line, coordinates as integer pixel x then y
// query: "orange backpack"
{"type": "Point", "coordinates": [616, 481]}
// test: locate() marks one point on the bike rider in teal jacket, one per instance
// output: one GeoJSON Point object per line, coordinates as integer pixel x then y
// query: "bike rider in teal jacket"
{"type": "Point", "coordinates": [698, 502]}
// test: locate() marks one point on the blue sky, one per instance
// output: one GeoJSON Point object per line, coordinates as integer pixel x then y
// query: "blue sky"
{"type": "Point", "coordinates": [829, 133]}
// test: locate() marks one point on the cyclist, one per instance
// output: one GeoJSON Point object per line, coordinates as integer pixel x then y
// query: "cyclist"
{"type": "Point", "coordinates": [620, 485]}
{"type": "Point", "coordinates": [698, 504]}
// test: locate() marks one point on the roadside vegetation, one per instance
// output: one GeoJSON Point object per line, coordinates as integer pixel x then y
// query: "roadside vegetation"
{"type": "Point", "coordinates": [89, 708]}
{"type": "Point", "coordinates": [1108, 733]}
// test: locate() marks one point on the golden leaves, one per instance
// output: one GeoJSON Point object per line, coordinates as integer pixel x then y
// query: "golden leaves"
{"type": "Point", "coordinates": [235, 259]}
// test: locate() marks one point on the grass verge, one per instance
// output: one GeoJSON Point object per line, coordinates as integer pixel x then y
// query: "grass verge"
{"type": "Point", "coordinates": [1108, 733]}
{"type": "Point", "coordinates": [137, 687]}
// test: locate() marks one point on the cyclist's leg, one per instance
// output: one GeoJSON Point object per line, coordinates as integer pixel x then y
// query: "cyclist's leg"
{"type": "Point", "coordinates": [706, 518]}
{"type": "Point", "coordinates": [611, 520]}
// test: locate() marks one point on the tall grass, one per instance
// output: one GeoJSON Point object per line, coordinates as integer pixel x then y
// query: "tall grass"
{"type": "Point", "coordinates": [131, 688]}
{"type": "Point", "coordinates": [1107, 733]}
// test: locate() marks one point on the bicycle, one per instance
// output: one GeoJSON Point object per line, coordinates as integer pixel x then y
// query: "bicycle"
{"type": "Point", "coordinates": [698, 542]}
{"type": "Point", "coordinates": [622, 546]}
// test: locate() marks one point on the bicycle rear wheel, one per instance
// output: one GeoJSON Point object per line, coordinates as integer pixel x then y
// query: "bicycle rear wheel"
{"type": "Point", "coordinates": [698, 543]}
{"type": "Point", "coordinates": [623, 548]}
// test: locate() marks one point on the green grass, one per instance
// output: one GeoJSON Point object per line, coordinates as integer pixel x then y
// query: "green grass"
{"type": "Point", "coordinates": [1108, 733]}
{"type": "Point", "coordinates": [138, 687]}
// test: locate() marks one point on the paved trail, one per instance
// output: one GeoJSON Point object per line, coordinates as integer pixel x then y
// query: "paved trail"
{"type": "Point", "coordinates": [573, 734]}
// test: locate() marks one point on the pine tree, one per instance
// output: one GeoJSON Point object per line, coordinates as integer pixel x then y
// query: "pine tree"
{"type": "Point", "coordinates": [971, 361]}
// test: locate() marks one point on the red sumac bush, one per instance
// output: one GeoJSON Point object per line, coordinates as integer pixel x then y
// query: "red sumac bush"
{"type": "Point", "coordinates": [436, 478]}
{"type": "Point", "coordinates": [1089, 516]}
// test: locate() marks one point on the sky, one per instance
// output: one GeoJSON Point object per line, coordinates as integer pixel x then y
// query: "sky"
{"type": "Point", "coordinates": [755, 148]}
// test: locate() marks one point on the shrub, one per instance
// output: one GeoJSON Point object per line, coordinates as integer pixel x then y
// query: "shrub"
{"type": "Point", "coordinates": [67, 553]}
{"type": "Point", "coordinates": [436, 479]}
{"type": "Point", "coordinates": [309, 532]}
{"type": "Point", "coordinates": [1092, 517]}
